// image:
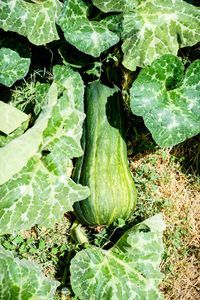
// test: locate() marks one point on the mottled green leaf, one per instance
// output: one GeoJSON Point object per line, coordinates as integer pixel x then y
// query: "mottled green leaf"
{"type": "Point", "coordinates": [116, 6]}
{"type": "Point", "coordinates": [41, 90]}
{"type": "Point", "coordinates": [34, 20]}
{"type": "Point", "coordinates": [113, 23]}
{"type": "Point", "coordinates": [12, 66]}
{"type": "Point", "coordinates": [36, 195]}
{"type": "Point", "coordinates": [39, 190]}
{"type": "Point", "coordinates": [90, 37]}
{"type": "Point", "coordinates": [16, 154]}
{"type": "Point", "coordinates": [129, 270]}
{"type": "Point", "coordinates": [168, 100]}
{"type": "Point", "coordinates": [5, 139]}
{"type": "Point", "coordinates": [158, 27]}
{"type": "Point", "coordinates": [22, 279]}
{"type": "Point", "coordinates": [152, 28]}
{"type": "Point", "coordinates": [10, 118]}
{"type": "Point", "coordinates": [63, 140]}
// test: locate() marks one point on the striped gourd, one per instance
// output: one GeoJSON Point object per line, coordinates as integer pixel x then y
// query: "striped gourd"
{"type": "Point", "coordinates": [104, 167]}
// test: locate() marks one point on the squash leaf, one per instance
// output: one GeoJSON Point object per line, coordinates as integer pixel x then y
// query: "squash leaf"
{"type": "Point", "coordinates": [116, 6]}
{"type": "Point", "coordinates": [36, 167]}
{"type": "Point", "coordinates": [90, 37]}
{"type": "Point", "coordinates": [129, 270]}
{"type": "Point", "coordinates": [5, 139]}
{"type": "Point", "coordinates": [16, 154]}
{"type": "Point", "coordinates": [10, 118]}
{"type": "Point", "coordinates": [158, 27]}
{"type": "Point", "coordinates": [22, 279]}
{"type": "Point", "coordinates": [12, 66]}
{"type": "Point", "coordinates": [36, 21]}
{"type": "Point", "coordinates": [152, 28]}
{"type": "Point", "coordinates": [168, 100]}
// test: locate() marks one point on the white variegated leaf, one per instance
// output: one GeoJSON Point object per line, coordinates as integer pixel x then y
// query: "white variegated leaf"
{"type": "Point", "coordinates": [90, 37]}
{"type": "Point", "coordinates": [5, 139]}
{"type": "Point", "coordinates": [38, 194]}
{"type": "Point", "coordinates": [16, 154]}
{"type": "Point", "coordinates": [36, 20]}
{"type": "Point", "coordinates": [168, 99]}
{"type": "Point", "coordinates": [152, 28]}
{"type": "Point", "coordinates": [158, 27]}
{"type": "Point", "coordinates": [10, 118]}
{"type": "Point", "coordinates": [35, 186]}
{"type": "Point", "coordinates": [12, 66]}
{"type": "Point", "coordinates": [129, 270]}
{"type": "Point", "coordinates": [116, 6]}
{"type": "Point", "coordinates": [22, 279]}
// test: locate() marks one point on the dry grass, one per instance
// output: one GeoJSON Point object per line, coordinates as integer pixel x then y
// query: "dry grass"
{"type": "Point", "coordinates": [184, 282]}
{"type": "Point", "coordinates": [177, 195]}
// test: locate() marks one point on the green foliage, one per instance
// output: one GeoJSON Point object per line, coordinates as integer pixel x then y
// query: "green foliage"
{"type": "Point", "coordinates": [161, 27]}
{"type": "Point", "coordinates": [30, 96]}
{"type": "Point", "coordinates": [23, 279]}
{"type": "Point", "coordinates": [45, 246]}
{"type": "Point", "coordinates": [154, 28]}
{"type": "Point", "coordinates": [5, 139]}
{"type": "Point", "coordinates": [91, 37]}
{"type": "Point", "coordinates": [36, 20]}
{"type": "Point", "coordinates": [36, 188]}
{"type": "Point", "coordinates": [10, 118]}
{"type": "Point", "coordinates": [12, 66]}
{"type": "Point", "coordinates": [168, 100]}
{"type": "Point", "coordinates": [129, 270]}
{"type": "Point", "coordinates": [119, 6]}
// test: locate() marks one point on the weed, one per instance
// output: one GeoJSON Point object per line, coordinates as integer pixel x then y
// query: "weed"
{"type": "Point", "coordinates": [46, 247]}
{"type": "Point", "coordinates": [30, 95]}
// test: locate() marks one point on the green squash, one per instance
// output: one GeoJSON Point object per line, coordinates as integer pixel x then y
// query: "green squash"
{"type": "Point", "coordinates": [104, 166]}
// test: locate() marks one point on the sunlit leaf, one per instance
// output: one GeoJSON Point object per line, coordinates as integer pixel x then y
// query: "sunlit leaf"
{"type": "Point", "coordinates": [10, 118]}
{"type": "Point", "coordinates": [168, 100]}
{"type": "Point", "coordinates": [91, 37]}
{"type": "Point", "coordinates": [22, 279]}
{"type": "Point", "coordinates": [129, 270]}
{"type": "Point", "coordinates": [12, 66]}
{"type": "Point", "coordinates": [35, 168]}
{"type": "Point", "coordinates": [152, 28]}
{"type": "Point", "coordinates": [35, 20]}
